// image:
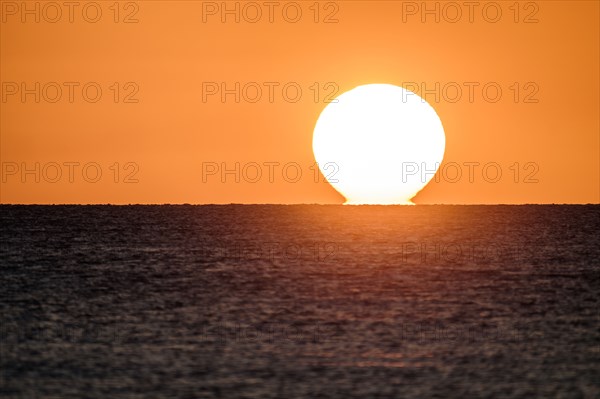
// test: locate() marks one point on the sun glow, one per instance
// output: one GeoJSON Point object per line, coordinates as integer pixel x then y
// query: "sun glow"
{"type": "Point", "coordinates": [384, 144]}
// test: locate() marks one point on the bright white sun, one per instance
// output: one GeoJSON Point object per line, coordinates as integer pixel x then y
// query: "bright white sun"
{"type": "Point", "coordinates": [379, 144]}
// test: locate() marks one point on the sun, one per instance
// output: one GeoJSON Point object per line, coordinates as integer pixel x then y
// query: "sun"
{"type": "Point", "coordinates": [379, 144]}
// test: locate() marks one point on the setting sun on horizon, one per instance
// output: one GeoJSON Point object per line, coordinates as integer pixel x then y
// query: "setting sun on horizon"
{"type": "Point", "coordinates": [200, 103]}
{"type": "Point", "coordinates": [379, 144]}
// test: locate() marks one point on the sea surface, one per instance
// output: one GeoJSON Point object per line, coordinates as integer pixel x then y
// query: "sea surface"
{"type": "Point", "coordinates": [300, 301]}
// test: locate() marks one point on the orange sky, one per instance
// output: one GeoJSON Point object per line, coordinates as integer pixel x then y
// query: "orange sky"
{"type": "Point", "coordinates": [163, 140]}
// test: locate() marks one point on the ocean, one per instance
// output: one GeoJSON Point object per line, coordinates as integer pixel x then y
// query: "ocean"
{"type": "Point", "coordinates": [300, 301]}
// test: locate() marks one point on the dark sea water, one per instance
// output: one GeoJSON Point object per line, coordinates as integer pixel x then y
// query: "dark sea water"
{"type": "Point", "coordinates": [302, 301]}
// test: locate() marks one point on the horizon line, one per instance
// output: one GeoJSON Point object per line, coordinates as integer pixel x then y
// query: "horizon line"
{"type": "Point", "coordinates": [294, 204]}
